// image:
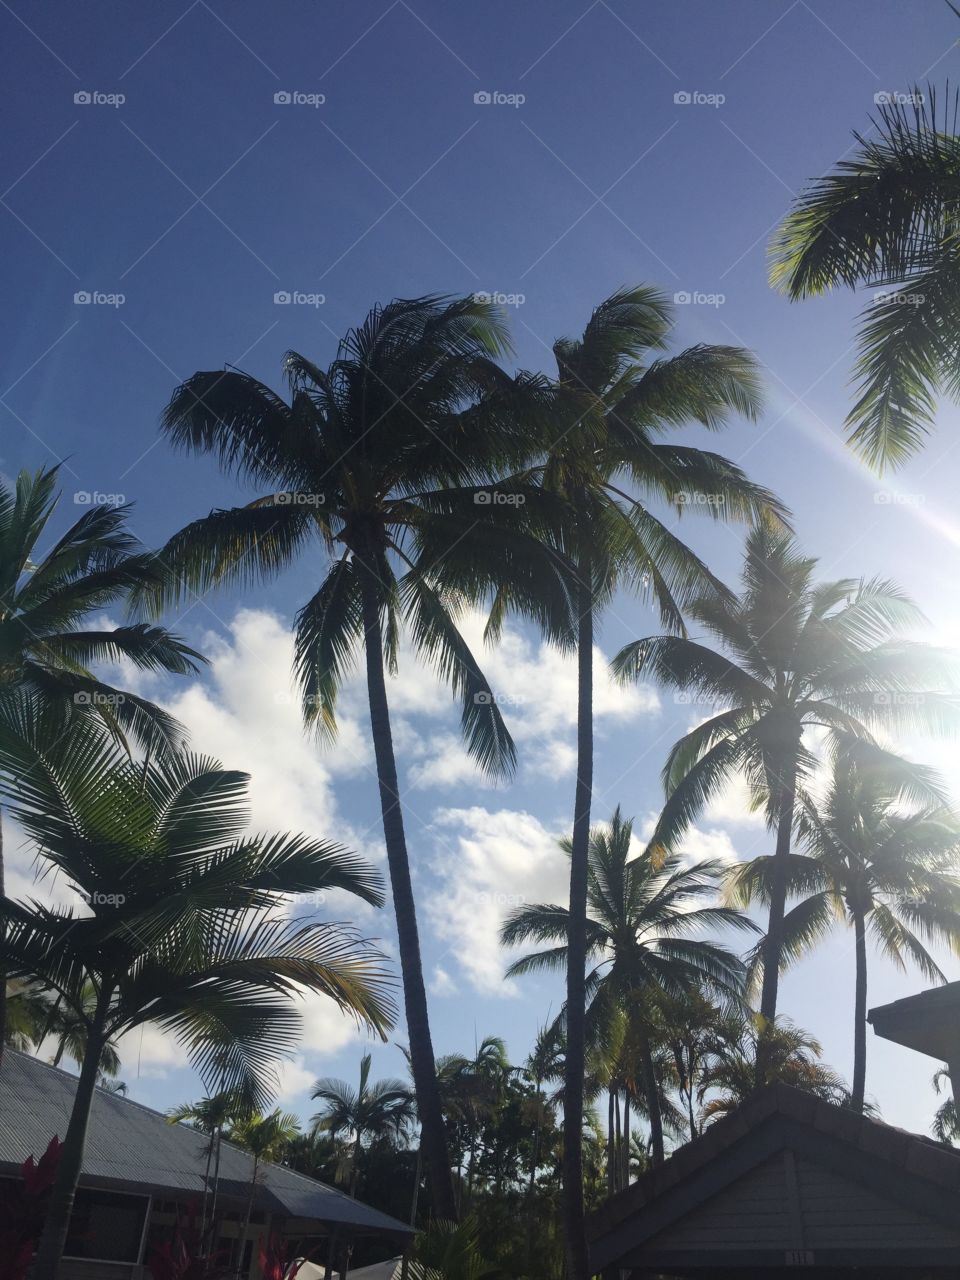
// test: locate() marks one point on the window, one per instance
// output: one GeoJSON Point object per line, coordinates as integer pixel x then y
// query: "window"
{"type": "Point", "coordinates": [106, 1225]}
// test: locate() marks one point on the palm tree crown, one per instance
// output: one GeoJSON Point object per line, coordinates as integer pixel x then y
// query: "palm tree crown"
{"type": "Point", "coordinates": [888, 216]}
{"type": "Point", "coordinates": [868, 861]}
{"type": "Point", "coordinates": [795, 655]}
{"type": "Point", "coordinates": [386, 458]}
{"type": "Point", "coordinates": [45, 600]}
{"type": "Point", "coordinates": [372, 1111]}
{"type": "Point", "coordinates": [642, 911]}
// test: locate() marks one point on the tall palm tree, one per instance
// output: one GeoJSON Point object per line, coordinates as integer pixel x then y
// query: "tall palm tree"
{"type": "Point", "coordinates": [385, 460]}
{"type": "Point", "coordinates": [888, 216]}
{"type": "Point", "coordinates": [46, 598]}
{"type": "Point", "coordinates": [868, 863]}
{"type": "Point", "coordinates": [181, 928]}
{"type": "Point", "coordinates": [265, 1138]}
{"type": "Point", "coordinates": [616, 396]}
{"type": "Point", "coordinates": [794, 656]}
{"type": "Point", "coordinates": [787, 1054]}
{"type": "Point", "coordinates": [642, 911]}
{"type": "Point", "coordinates": [211, 1115]}
{"type": "Point", "coordinates": [372, 1111]}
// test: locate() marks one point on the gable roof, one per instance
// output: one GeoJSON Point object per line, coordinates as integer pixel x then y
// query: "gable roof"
{"type": "Point", "coordinates": [788, 1179]}
{"type": "Point", "coordinates": [133, 1148]}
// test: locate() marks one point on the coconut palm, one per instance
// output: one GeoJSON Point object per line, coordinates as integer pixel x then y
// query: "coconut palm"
{"type": "Point", "coordinates": [371, 1112]}
{"type": "Point", "coordinates": [888, 216]}
{"type": "Point", "coordinates": [385, 462]}
{"type": "Point", "coordinates": [211, 1116]}
{"type": "Point", "coordinates": [783, 1052]}
{"type": "Point", "coordinates": [642, 914]}
{"type": "Point", "coordinates": [795, 656]}
{"type": "Point", "coordinates": [616, 397]}
{"type": "Point", "coordinates": [46, 598]}
{"type": "Point", "coordinates": [179, 926]}
{"type": "Point", "coordinates": [868, 863]}
{"type": "Point", "coordinates": [946, 1119]}
{"type": "Point", "coordinates": [266, 1138]}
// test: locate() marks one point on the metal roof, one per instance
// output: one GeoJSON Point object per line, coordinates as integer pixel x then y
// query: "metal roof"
{"type": "Point", "coordinates": [131, 1147]}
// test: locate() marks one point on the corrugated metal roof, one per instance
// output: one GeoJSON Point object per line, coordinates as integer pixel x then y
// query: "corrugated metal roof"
{"type": "Point", "coordinates": [130, 1144]}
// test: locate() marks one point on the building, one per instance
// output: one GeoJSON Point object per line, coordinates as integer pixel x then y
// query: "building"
{"type": "Point", "coordinates": [140, 1173]}
{"type": "Point", "coordinates": [788, 1181]}
{"type": "Point", "coordinates": [928, 1022]}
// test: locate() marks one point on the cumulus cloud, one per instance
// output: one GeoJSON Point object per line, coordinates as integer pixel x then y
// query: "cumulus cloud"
{"type": "Point", "coordinates": [489, 862]}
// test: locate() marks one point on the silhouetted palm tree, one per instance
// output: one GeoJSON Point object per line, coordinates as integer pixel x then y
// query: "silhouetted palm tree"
{"type": "Point", "coordinates": [871, 864]}
{"type": "Point", "coordinates": [887, 216]}
{"type": "Point", "coordinates": [384, 462]}
{"type": "Point", "coordinates": [794, 655]}
{"type": "Point", "coordinates": [642, 911]}
{"type": "Point", "coordinates": [372, 1111]}
{"type": "Point", "coordinates": [616, 397]}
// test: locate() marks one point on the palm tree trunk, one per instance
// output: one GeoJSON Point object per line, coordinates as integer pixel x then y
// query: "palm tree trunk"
{"type": "Point", "coordinates": [355, 1168]}
{"type": "Point", "coordinates": [617, 1140]}
{"type": "Point", "coordinates": [574, 1061]}
{"type": "Point", "coordinates": [422, 1062]}
{"type": "Point", "coordinates": [773, 944]}
{"type": "Point", "coordinates": [860, 1014]}
{"type": "Point", "coordinates": [652, 1090]}
{"type": "Point", "coordinates": [216, 1192]}
{"type": "Point", "coordinates": [417, 1174]}
{"type": "Point", "coordinates": [625, 1182]}
{"type": "Point", "coordinates": [206, 1188]}
{"type": "Point", "coordinates": [247, 1216]}
{"type": "Point", "coordinates": [611, 1151]}
{"type": "Point", "coordinates": [60, 1209]}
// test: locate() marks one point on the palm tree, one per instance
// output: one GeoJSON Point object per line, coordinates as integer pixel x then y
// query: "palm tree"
{"type": "Point", "coordinates": [181, 928]}
{"type": "Point", "coordinates": [946, 1119]}
{"type": "Point", "coordinates": [888, 217]}
{"type": "Point", "coordinates": [783, 1052]}
{"type": "Point", "coordinates": [615, 397]}
{"type": "Point", "coordinates": [642, 912]}
{"type": "Point", "coordinates": [794, 656]}
{"type": "Point", "coordinates": [211, 1115]}
{"type": "Point", "coordinates": [45, 598]}
{"type": "Point", "coordinates": [386, 459]}
{"type": "Point", "coordinates": [265, 1138]}
{"type": "Point", "coordinates": [873, 866]}
{"type": "Point", "coordinates": [376, 1111]}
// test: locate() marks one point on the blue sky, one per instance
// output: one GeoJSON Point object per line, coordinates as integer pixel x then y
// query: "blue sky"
{"type": "Point", "coordinates": [199, 197]}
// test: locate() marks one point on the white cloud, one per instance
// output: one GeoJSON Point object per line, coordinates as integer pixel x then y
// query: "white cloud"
{"type": "Point", "coordinates": [489, 863]}
{"type": "Point", "coordinates": [536, 687]}
{"type": "Point", "coordinates": [441, 984]}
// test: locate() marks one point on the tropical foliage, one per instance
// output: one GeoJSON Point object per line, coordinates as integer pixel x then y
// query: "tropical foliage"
{"type": "Point", "coordinates": [417, 478]}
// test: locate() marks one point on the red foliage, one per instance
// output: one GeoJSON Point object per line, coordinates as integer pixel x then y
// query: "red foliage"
{"type": "Point", "coordinates": [181, 1257]}
{"type": "Point", "coordinates": [275, 1260]}
{"type": "Point", "coordinates": [23, 1207]}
